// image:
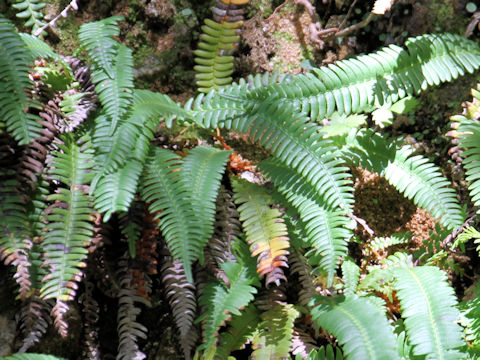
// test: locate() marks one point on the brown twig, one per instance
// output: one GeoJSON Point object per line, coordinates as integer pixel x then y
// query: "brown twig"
{"type": "Point", "coordinates": [73, 5]}
{"type": "Point", "coordinates": [352, 28]}
{"type": "Point", "coordinates": [349, 12]}
{"type": "Point", "coordinates": [361, 222]}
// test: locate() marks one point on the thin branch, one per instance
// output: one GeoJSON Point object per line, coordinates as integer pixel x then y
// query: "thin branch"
{"type": "Point", "coordinates": [73, 5]}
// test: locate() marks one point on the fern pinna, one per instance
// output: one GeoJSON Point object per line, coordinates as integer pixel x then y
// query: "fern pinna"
{"type": "Point", "coordinates": [68, 182]}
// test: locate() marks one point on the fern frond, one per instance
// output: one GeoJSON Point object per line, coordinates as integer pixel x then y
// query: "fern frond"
{"type": "Point", "coordinates": [221, 301]}
{"type": "Point", "coordinates": [351, 276]}
{"type": "Point", "coordinates": [38, 48]}
{"type": "Point", "coordinates": [202, 171]}
{"type": "Point", "coordinates": [14, 101]}
{"type": "Point", "coordinates": [361, 329]}
{"type": "Point", "coordinates": [428, 306]}
{"type": "Point", "coordinates": [98, 38]}
{"type": "Point", "coordinates": [299, 265]}
{"type": "Point", "coordinates": [324, 353]}
{"type": "Point", "coordinates": [218, 109]}
{"type": "Point", "coordinates": [214, 62]}
{"type": "Point", "coordinates": [32, 357]}
{"type": "Point", "coordinates": [298, 144]}
{"type": "Point", "coordinates": [468, 134]}
{"type": "Point", "coordinates": [326, 229]}
{"type": "Point", "coordinates": [70, 223]}
{"type": "Point", "coordinates": [241, 329]}
{"type": "Point", "coordinates": [274, 337]}
{"type": "Point", "coordinates": [413, 175]}
{"type": "Point", "coordinates": [264, 227]}
{"type": "Point", "coordinates": [370, 81]}
{"type": "Point", "coordinates": [115, 192]}
{"type": "Point", "coordinates": [29, 9]}
{"type": "Point", "coordinates": [164, 188]}
{"type": "Point", "coordinates": [302, 344]}
{"type": "Point", "coordinates": [381, 243]}
{"type": "Point", "coordinates": [181, 297]}
{"type": "Point", "coordinates": [116, 93]}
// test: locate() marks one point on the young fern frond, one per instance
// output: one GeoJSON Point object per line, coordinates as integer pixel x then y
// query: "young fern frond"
{"type": "Point", "coordinates": [412, 175]}
{"type": "Point", "coordinates": [264, 227]}
{"type": "Point", "coordinates": [70, 223]}
{"type": "Point", "coordinates": [428, 306]}
{"type": "Point", "coordinates": [273, 339]}
{"type": "Point", "coordinates": [14, 101]}
{"type": "Point", "coordinates": [214, 62]}
{"type": "Point", "coordinates": [361, 329]}
{"type": "Point", "coordinates": [220, 300]}
{"type": "Point", "coordinates": [326, 229]}
{"type": "Point", "coordinates": [29, 9]}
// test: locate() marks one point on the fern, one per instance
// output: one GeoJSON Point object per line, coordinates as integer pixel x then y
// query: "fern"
{"type": "Point", "coordinates": [265, 230]}
{"type": "Point", "coordinates": [29, 9]}
{"type": "Point", "coordinates": [214, 66]}
{"type": "Point", "coordinates": [242, 327]}
{"type": "Point", "coordinates": [326, 229]}
{"type": "Point", "coordinates": [324, 353]}
{"type": "Point", "coordinates": [220, 300]}
{"type": "Point", "coordinates": [274, 336]}
{"type": "Point", "coordinates": [70, 227]}
{"type": "Point", "coordinates": [361, 329]}
{"type": "Point", "coordinates": [370, 81]}
{"type": "Point", "coordinates": [165, 190]}
{"type": "Point", "coordinates": [14, 101]}
{"type": "Point", "coordinates": [32, 357]}
{"type": "Point", "coordinates": [351, 276]}
{"type": "Point", "coordinates": [428, 306]}
{"type": "Point", "coordinates": [202, 171]}
{"type": "Point", "coordinates": [412, 175]}
{"type": "Point", "coordinates": [468, 134]}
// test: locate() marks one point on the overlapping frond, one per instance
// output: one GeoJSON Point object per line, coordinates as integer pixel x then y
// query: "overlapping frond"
{"type": "Point", "coordinates": [361, 329]}
{"type": "Point", "coordinates": [368, 81]}
{"type": "Point", "coordinates": [14, 101]}
{"type": "Point", "coordinates": [29, 11]}
{"type": "Point", "coordinates": [428, 306]}
{"type": "Point", "coordinates": [264, 227]}
{"type": "Point", "coordinates": [413, 175]}
{"type": "Point", "coordinates": [220, 301]}
{"type": "Point", "coordinates": [202, 171]}
{"type": "Point", "coordinates": [70, 223]}
{"type": "Point", "coordinates": [273, 339]}
{"type": "Point", "coordinates": [325, 228]}
{"type": "Point", "coordinates": [164, 188]}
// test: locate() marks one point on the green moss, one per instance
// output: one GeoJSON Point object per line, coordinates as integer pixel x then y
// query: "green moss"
{"type": "Point", "coordinates": [444, 17]}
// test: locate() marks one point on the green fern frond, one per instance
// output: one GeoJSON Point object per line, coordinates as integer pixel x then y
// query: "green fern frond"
{"type": "Point", "coordinates": [221, 300]}
{"type": "Point", "coordinates": [361, 329]}
{"type": "Point", "coordinates": [324, 353]}
{"type": "Point", "coordinates": [218, 109]}
{"type": "Point", "coordinates": [115, 192]}
{"type": "Point", "coordinates": [70, 223]}
{"type": "Point", "coordinates": [242, 328]}
{"type": "Point", "coordinates": [29, 9]}
{"type": "Point", "coordinates": [326, 229]}
{"type": "Point", "coordinates": [31, 356]}
{"type": "Point", "coordinates": [202, 171]}
{"type": "Point", "coordinates": [115, 93]}
{"type": "Point", "coordinates": [274, 336]}
{"type": "Point", "coordinates": [381, 243]}
{"type": "Point", "coordinates": [265, 230]}
{"type": "Point", "coordinates": [164, 188]}
{"type": "Point", "coordinates": [39, 48]}
{"type": "Point", "coordinates": [98, 38]}
{"type": "Point", "coordinates": [351, 276]}
{"type": "Point", "coordinates": [413, 175]}
{"type": "Point", "coordinates": [214, 62]}
{"type": "Point", "coordinates": [468, 134]}
{"type": "Point", "coordinates": [298, 144]}
{"type": "Point", "coordinates": [428, 306]}
{"type": "Point", "coordinates": [370, 81]}
{"type": "Point", "coordinates": [14, 101]}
